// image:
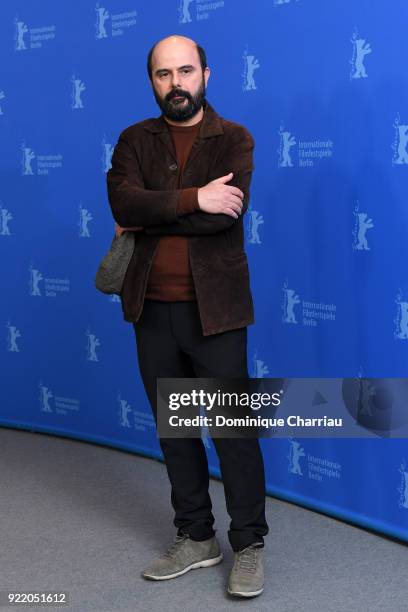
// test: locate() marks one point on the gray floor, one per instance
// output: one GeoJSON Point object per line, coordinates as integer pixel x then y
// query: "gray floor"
{"type": "Point", "coordinates": [85, 519]}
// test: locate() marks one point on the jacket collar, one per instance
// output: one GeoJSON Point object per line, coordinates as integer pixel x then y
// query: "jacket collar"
{"type": "Point", "coordinates": [210, 126]}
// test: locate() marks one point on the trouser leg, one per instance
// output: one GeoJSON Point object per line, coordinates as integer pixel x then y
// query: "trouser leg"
{"type": "Point", "coordinates": [186, 461]}
{"type": "Point", "coordinates": [224, 355]}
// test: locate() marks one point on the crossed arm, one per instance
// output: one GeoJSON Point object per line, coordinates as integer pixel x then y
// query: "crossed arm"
{"type": "Point", "coordinates": [155, 212]}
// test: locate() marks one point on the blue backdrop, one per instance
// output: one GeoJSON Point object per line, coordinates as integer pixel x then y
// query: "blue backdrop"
{"type": "Point", "coordinates": [322, 87]}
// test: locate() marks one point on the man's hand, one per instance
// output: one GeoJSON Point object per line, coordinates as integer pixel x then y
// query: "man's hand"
{"type": "Point", "coordinates": [119, 230]}
{"type": "Point", "coordinates": [217, 197]}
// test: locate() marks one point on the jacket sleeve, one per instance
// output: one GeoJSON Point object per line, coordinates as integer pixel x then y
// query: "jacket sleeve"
{"type": "Point", "coordinates": [236, 157]}
{"type": "Point", "coordinates": [130, 202]}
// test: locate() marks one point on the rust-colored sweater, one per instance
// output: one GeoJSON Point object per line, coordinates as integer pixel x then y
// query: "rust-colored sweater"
{"type": "Point", "coordinates": [170, 277]}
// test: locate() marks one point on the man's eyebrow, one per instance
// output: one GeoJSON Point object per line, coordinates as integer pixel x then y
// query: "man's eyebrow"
{"type": "Point", "coordinates": [180, 68]}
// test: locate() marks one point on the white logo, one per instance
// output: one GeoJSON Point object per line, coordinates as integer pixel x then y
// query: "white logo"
{"type": "Point", "coordinates": [296, 451]}
{"type": "Point", "coordinates": [250, 65]}
{"type": "Point", "coordinates": [61, 404]}
{"type": "Point", "coordinates": [114, 298]}
{"type": "Point", "coordinates": [52, 285]}
{"type": "Point", "coordinates": [362, 224]}
{"type": "Point", "coordinates": [45, 163]}
{"type": "Point", "coordinates": [101, 16]}
{"type": "Point", "coordinates": [78, 87]}
{"type": "Point", "coordinates": [202, 9]}
{"type": "Point", "coordinates": [254, 221]}
{"type": "Point", "coordinates": [5, 217]}
{"type": "Point", "coordinates": [84, 217]}
{"type": "Point", "coordinates": [2, 96]}
{"type": "Point", "coordinates": [403, 489]}
{"type": "Point", "coordinates": [260, 369]}
{"type": "Point", "coordinates": [124, 409]}
{"type": "Point", "coordinates": [290, 299]}
{"type": "Point", "coordinates": [107, 151]}
{"type": "Point", "coordinates": [35, 278]}
{"type": "Point", "coordinates": [400, 142]}
{"type": "Point", "coordinates": [312, 312]}
{"type": "Point", "coordinates": [13, 334]}
{"type": "Point", "coordinates": [401, 320]}
{"type": "Point", "coordinates": [318, 468]}
{"type": "Point", "coordinates": [287, 141]}
{"type": "Point", "coordinates": [28, 156]}
{"type": "Point", "coordinates": [45, 396]}
{"type": "Point", "coordinates": [281, 2]}
{"type": "Point", "coordinates": [360, 49]}
{"type": "Point", "coordinates": [92, 343]}
{"type": "Point", "coordinates": [37, 35]}
{"type": "Point", "coordinates": [141, 420]}
{"type": "Point", "coordinates": [184, 11]}
{"type": "Point", "coordinates": [118, 22]}
{"type": "Point", "coordinates": [21, 29]}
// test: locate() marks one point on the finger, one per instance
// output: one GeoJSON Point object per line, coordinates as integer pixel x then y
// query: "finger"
{"type": "Point", "coordinates": [231, 213]}
{"type": "Point", "coordinates": [236, 202]}
{"type": "Point", "coordinates": [224, 179]}
{"type": "Point", "coordinates": [235, 190]}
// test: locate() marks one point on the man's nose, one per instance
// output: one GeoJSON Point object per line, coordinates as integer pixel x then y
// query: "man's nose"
{"type": "Point", "coordinates": [175, 80]}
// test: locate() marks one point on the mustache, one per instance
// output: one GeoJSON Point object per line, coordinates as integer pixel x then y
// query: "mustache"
{"type": "Point", "coordinates": [178, 92]}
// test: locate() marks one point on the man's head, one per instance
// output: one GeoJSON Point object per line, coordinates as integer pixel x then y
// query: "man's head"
{"type": "Point", "coordinates": [178, 71]}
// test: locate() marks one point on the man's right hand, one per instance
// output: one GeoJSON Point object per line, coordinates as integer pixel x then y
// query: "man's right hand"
{"type": "Point", "coordinates": [217, 197]}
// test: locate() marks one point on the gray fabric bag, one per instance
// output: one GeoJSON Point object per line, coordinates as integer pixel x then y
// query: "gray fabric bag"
{"type": "Point", "coordinates": [112, 269]}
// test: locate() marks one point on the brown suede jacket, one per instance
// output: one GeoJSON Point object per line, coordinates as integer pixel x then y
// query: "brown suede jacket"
{"type": "Point", "coordinates": [142, 191]}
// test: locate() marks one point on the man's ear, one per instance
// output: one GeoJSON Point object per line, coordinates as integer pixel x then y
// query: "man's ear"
{"type": "Point", "coordinates": [207, 73]}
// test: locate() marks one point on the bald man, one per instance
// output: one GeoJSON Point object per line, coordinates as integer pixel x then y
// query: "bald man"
{"type": "Point", "coordinates": [180, 182]}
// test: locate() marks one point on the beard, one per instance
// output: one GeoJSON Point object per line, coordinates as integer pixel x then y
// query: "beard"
{"type": "Point", "coordinates": [182, 109]}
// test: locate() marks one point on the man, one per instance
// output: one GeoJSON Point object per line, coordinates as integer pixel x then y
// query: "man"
{"type": "Point", "coordinates": [181, 183]}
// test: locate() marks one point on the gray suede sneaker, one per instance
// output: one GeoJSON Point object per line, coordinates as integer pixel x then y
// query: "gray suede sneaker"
{"type": "Point", "coordinates": [183, 555]}
{"type": "Point", "coordinates": [247, 575]}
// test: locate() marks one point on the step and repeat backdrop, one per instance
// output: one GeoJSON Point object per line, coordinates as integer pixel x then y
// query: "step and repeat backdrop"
{"type": "Point", "coordinates": [322, 88]}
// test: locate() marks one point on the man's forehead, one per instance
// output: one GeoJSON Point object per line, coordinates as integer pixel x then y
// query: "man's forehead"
{"type": "Point", "coordinates": [175, 52]}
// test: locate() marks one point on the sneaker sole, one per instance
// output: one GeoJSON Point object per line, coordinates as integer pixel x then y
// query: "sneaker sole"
{"type": "Point", "coordinates": [245, 594]}
{"type": "Point", "coordinates": [198, 564]}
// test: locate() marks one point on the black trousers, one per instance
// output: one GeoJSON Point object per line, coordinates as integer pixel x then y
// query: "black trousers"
{"type": "Point", "coordinates": [170, 344]}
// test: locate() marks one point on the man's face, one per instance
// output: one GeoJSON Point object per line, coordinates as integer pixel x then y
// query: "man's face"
{"type": "Point", "coordinates": [178, 80]}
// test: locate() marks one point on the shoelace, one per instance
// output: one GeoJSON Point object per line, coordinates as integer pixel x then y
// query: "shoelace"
{"type": "Point", "coordinates": [247, 559]}
{"type": "Point", "coordinates": [175, 547]}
